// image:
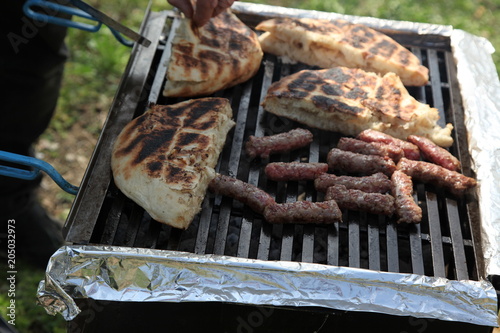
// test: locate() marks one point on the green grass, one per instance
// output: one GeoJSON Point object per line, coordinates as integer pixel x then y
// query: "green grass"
{"type": "Point", "coordinates": [30, 317]}
{"type": "Point", "coordinates": [97, 62]}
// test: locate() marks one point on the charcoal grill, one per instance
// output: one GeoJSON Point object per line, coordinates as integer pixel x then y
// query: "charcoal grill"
{"type": "Point", "coordinates": [446, 244]}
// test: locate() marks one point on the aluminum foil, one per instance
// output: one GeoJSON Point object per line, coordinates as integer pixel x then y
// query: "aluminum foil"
{"type": "Point", "coordinates": [143, 275]}
{"type": "Point", "coordinates": [382, 24]}
{"type": "Point", "coordinates": [110, 273]}
{"type": "Point", "coordinates": [480, 90]}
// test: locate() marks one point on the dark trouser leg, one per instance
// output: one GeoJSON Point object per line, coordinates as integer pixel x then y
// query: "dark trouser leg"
{"type": "Point", "coordinates": [32, 58]}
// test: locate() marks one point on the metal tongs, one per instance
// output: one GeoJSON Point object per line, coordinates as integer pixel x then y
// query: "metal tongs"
{"type": "Point", "coordinates": [36, 166]}
{"type": "Point", "coordinates": [85, 11]}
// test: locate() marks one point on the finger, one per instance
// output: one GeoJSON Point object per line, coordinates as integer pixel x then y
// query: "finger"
{"type": "Point", "coordinates": [222, 6]}
{"type": "Point", "coordinates": [204, 11]}
{"type": "Point", "coordinates": [184, 6]}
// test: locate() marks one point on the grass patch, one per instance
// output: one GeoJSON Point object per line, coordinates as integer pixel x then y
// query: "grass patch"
{"type": "Point", "coordinates": [30, 317]}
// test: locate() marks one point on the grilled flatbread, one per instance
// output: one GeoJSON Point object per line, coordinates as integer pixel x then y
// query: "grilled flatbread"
{"type": "Point", "coordinates": [218, 55]}
{"type": "Point", "coordinates": [164, 159]}
{"type": "Point", "coordinates": [328, 44]}
{"type": "Point", "coordinates": [350, 100]}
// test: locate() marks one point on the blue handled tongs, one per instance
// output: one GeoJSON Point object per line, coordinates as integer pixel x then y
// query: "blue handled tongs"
{"type": "Point", "coordinates": [36, 166]}
{"type": "Point", "coordinates": [43, 10]}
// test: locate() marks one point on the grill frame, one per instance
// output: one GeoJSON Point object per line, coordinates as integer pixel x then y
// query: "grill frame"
{"type": "Point", "coordinates": [102, 215]}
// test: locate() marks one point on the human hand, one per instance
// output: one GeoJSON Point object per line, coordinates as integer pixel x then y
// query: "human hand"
{"type": "Point", "coordinates": [202, 10]}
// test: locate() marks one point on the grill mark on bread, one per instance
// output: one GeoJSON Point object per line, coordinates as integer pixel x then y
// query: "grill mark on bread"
{"type": "Point", "coordinates": [200, 118]}
{"type": "Point", "coordinates": [358, 36]}
{"type": "Point", "coordinates": [186, 139]}
{"type": "Point", "coordinates": [154, 141]}
{"type": "Point", "coordinates": [152, 144]}
{"type": "Point", "coordinates": [332, 90]}
{"type": "Point", "coordinates": [154, 167]}
{"type": "Point", "coordinates": [332, 105]}
{"type": "Point", "coordinates": [323, 28]}
{"type": "Point", "coordinates": [403, 57]}
{"type": "Point", "coordinates": [385, 49]}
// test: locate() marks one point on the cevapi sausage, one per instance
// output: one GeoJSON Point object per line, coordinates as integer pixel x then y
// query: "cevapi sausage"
{"type": "Point", "coordinates": [426, 172]}
{"type": "Point", "coordinates": [371, 148]}
{"type": "Point", "coordinates": [278, 143]}
{"type": "Point", "coordinates": [324, 212]}
{"type": "Point", "coordinates": [247, 193]}
{"type": "Point", "coordinates": [348, 162]}
{"type": "Point", "coordinates": [280, 171]}
{"type": "Point", "coordinates": [407, 209]}
{"type": "Point", "coordinates": [410, 150]}
{"type": "Point", "coordinates": [376, 183]}
{"type": "Point", "coordinates": [435, 154]}
{"type": "Point", "coordinates": [374, 203]}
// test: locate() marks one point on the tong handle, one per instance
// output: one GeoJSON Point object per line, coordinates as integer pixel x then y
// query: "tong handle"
{"type": "Point", "coordinates": [57, 8]}
{"type": "Point", "coordinates": [51, 7]}
{"type": "Point", "coordinates": [37, 166]}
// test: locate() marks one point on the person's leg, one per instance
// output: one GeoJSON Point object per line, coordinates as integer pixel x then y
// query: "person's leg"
{"type": "Point", "coordinates": [31, 69]}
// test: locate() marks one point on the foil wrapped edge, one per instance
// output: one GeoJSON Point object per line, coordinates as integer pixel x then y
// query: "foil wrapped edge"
{"type": "Point", "coordinates": [480, 88]}
{"type": "Point", "coordinates": [110, 273]}
{"type": "Point", "coordinates": [383, 24]}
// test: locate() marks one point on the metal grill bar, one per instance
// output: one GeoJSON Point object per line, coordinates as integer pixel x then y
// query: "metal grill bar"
{"type": "Point", "coordinates": [373, 245]}
{"type": "Point", "coordinates": [392, 248]}
{"type": "Point", "coordinates": [416, 250]}
{"type": "Point", "coordinates": [354, 236]}
{"type": "Point", "coordinates": [435, 234]}
{"type": "Point", "coordinates": [457, 240]}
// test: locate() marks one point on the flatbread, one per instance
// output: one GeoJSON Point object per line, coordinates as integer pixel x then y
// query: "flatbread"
{"type": "Point", "coordinates": [350, 100]}
{"type": "Point", "coordinates": [164, 159]}
{"type": "Point", "coordinates": [328, 44]}
{"type": "Point", "coordinates": [219, 55]}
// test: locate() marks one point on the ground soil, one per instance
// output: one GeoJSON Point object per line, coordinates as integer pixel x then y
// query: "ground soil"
{"type": "Point", "coordinates": [69, 153]}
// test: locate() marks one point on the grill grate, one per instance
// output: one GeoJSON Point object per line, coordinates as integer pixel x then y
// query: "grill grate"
{"type": "Point", "coordinates": [443, 245]}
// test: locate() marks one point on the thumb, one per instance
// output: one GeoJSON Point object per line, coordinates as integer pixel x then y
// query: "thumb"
{"type": "Point", "coordinates": [184, 6]}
